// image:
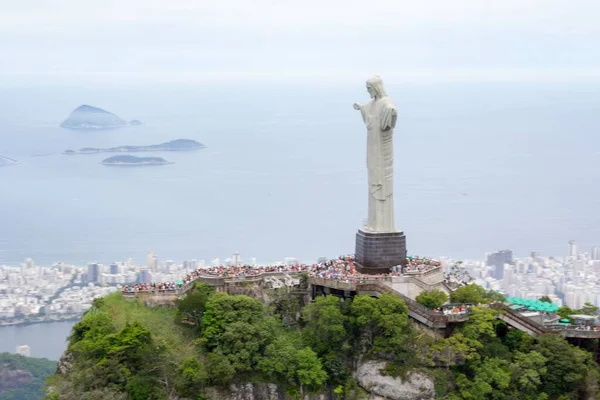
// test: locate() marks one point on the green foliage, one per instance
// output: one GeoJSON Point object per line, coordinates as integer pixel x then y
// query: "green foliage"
{"type": "Point", "coordinates": [545, 299]}
{"type": "Point", "coordinates": [39, 368]}
{"type": "Point", "coordinates": [492, 296]}
{"type": "Point", "coordinates": [286, 361]}
{"type": "Point", "coordinates": [471, 293]}
{"type": "Point", "coordinates": [527, 372]}
{"type": "Point", "coordinates": [481, 325]}
{"type": "Point", "coordinates": [432, 298]}
{"type": "Point", "coordinates": [565, 311]}
{"type": "Point", "coordinates": [475, 294]}
{"type": "Point", "coordinates": [568, 367]}
{"type": "Point", "coordinates": [455, 350]}
{"type": "Point", "coordinates": [382, 323]}
{"type": "Point", "coordinates": [325, 329]}
{"type": "Point", "coordinates": [220, 370]}
{"type": "Point", "coordinates": [285, 306]}
{"type": "Point", "coordinates": [193, 377]}
{"type": "Point", "coordinates": [222, 310]}
{"type": "Point", "coordinates": [589, 309]}
{"type": "Point", "coordinates": [191, 308]}
{"type": "Point", "coordinates": [125, 350]}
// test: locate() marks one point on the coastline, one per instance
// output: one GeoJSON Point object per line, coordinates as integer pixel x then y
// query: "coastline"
{"type": "Point", "coordinates": [41, 321]}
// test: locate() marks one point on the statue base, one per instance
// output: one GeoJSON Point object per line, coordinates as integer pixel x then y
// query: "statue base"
{"type": "Point", "coordinates": [378, 252]}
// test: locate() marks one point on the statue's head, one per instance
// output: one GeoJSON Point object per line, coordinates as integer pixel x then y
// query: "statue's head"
{"type": "Point", "coordinates": [375, 87]}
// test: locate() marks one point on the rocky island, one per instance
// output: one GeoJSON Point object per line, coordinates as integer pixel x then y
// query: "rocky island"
{"type": "Point", "coordinates": [173, 145]}
{"type": "Point", "coordinates": [93, 118]}
{"type": "Point", "coordinates": [5, 161]}
{"type": "Point", "coordinates": [133, 161]}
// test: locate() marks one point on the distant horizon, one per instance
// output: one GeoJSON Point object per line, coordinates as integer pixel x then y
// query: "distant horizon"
{"type": "Point", "coordinates": [417, 77]}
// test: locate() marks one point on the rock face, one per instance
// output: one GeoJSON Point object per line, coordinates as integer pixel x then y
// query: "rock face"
{"type": "Point", "coordinates": [416, 386]}
{"type": "Point", "coordinates": [92, 118]}
{"type": "Point", "coordinates": [65, 364]}
{"type": "Point", "coordinates": [13, 378]}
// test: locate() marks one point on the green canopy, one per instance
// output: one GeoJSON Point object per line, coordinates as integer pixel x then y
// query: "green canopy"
{"type": "Point", "coordinates": [179, 282]}
{"type": "Point", "coordinates": [565, 320]}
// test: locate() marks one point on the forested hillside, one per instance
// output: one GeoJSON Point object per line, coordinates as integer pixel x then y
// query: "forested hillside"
{"type": "Point", "coordinates": [22, 378]}
{"type": "Point", "coordinates": [125, 350]}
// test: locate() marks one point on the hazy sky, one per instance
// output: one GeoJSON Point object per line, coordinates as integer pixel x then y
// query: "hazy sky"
{"type": "Point", "coordinates": [199, 40]}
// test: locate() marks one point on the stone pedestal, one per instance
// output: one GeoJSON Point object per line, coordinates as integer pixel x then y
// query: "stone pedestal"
{"type": "Point", "coordinates": [378, 252]}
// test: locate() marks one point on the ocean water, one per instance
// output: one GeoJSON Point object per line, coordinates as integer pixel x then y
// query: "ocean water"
{"type": "Point", "coordinates": [46, 340]}
{"type": "Point", "coordinates": [479, 167]}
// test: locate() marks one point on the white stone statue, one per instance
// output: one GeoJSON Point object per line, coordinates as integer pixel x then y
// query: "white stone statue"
{"type": "Point", "coordinates": [380, 116]}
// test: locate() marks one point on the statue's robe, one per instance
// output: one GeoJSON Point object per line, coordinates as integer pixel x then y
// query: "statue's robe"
{"type": "Point", "coordinates": [380, 118]}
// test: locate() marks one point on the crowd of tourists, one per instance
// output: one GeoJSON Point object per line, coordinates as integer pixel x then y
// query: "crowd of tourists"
{"type": "Point", "coordinates": [452, 310]}
{"type": "Point", "coordinates": [418, 264]}
{"type": "Point", "coordinates": [151, 287]}
{"type": "Point", "coordinates": [342, 269]}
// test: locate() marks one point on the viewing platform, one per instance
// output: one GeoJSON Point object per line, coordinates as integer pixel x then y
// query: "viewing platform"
{"type": "Point", "coordinates": [407, 285]}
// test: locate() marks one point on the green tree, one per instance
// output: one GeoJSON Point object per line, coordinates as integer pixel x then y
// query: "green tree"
{"type": "Point", "coordinates": [220, 370]}
{"type": "Point", "coordinates": [492, 378]}
{"type": "Point", "coordinates": [517, 340]}
{"type": "Point", "coordinates": [243, 343]}
{"type": "Point", "coordinates": [471, 293]}
{"type": "Point", "coordinates": [222, 310]}
{"type": "Point", "coordinates": [481, 324]}
{"type": "Point", "coordinates": [565, 311]}
{"type": "Point", "coordinates": [589, 309]}
{"type": "Point", "coordinates": [493, 296]}
{"type": "Point", "coordinates": [432, 298]}
{"type": "Point", "coordinates": [287, 362]}
{"type": "Point", "coordinates": [193, 377]}
{"type": "Point", "coordinates": [569, 369]}
{"type": "Point", "coordinates": [454, 351]}
{"type": "Point", "coordinates": [191, 308]}
{"type": "Point", "coordinates": [286, 306]}
{"type": "Point", "coordinates": [528, 369]}
{"type": "Point", "coordinates": [325, 326]}
{"type": "Point", "coordinates": [381, 323]}
{"type": "Point", "coordinates": [545, 299]}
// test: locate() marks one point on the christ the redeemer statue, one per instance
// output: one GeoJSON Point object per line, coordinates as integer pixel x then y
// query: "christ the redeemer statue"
{"type": "Point", "coordinates": [379, 115]}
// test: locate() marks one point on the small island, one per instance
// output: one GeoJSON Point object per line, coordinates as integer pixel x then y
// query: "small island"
{"type": "Point", "coordinates": [173, 145]}
{"type": "Point", "coordinates": [133, 161]}
{"type": "Point", "coordinates": [93, 118]}
{"type": "Point", "coordinates": [5, 161]}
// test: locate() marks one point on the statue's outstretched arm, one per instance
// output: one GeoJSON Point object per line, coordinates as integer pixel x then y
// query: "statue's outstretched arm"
{"type": "Point", "coordinates": [361, 108]}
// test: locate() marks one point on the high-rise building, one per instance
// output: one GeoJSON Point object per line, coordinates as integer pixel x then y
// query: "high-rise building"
{"type": "Point", "coordinates": [94, 272]}
{"type": "Point", "coordinates": [144, 276]}
{"type": "Point", "coordinates": [534, 254]}
{"type": "Point", "coordinates": [114, 268]}
{"type": "Point", "coordinates": [572, 248]}
{"type": "Point", "coordinates": [151, 261]}
{"type": "Point", "coordinates": [595, 253]}
{"type": "Point", "coordinates": [497, 260]}
{"type": "Point", "coordinates": [236, 260]}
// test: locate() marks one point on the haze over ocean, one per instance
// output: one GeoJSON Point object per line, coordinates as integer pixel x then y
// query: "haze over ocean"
{"type": "Point", "coordinates": [479, 167]}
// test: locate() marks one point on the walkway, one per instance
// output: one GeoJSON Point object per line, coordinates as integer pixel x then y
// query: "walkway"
{"type": "Point", "coordinates": [375, 286]}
